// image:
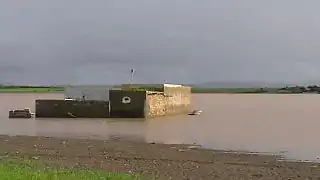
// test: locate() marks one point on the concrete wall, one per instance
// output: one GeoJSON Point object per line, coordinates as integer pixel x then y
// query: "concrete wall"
{"type": "Point", "coordinates": [72, 109]}
{"type": "Point", "coordinates": [23, 113]}
{"type": "Point", "coordinates": [178, 99]}
{"type": "Point", "coordinates": [91, 92]}
{"type": "Point", "coordinates": [127, 103]}
{"type": "Point", "coordinates": [175, 99]}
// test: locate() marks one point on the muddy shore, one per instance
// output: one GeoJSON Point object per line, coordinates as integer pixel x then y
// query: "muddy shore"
{"type": "Point", "coordinates": [153, 160]}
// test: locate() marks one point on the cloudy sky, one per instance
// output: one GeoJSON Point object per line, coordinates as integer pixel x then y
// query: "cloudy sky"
{"type": "Point", "coordinates": [179, 41]}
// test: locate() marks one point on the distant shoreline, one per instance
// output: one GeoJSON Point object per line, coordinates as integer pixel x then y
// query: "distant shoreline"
{"type": "Point", "coordinates": [30, 89]}
{"type": "Point", "coordinates": [284, 90]}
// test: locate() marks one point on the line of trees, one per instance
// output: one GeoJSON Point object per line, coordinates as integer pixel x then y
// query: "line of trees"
{"type": "Point", "coordinates": [302, 89]}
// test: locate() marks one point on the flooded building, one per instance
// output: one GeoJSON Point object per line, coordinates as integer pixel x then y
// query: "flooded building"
{"type": "Point", "coordinates": [149, 101]}
{"type": "Point", "coordinates": [124, 101]}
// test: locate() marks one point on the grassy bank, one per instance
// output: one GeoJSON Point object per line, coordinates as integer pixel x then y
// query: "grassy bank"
{"type": "Point", "coordinates": [233, 90]}
{"type": "Point", "coordinates": [45, 89]}
{"type": "Point", "coordinates": [20, 89]}
{"type": "Point", "coordinates": [29, 171]}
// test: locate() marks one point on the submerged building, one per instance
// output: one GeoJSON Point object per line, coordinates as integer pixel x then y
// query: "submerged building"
{"type": "Point", "coordinates": [137, 101]}
{"type": "Point", "coordinates": [124, 101]}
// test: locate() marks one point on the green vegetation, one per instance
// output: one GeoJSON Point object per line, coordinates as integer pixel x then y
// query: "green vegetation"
{"type": "Point", "coordinates": [233, 90]}
{"type": "Point", "coordinates": [143, 87]}
{"type": "Point", "coordinates": [30, 88]}
{"type": "Point", "coordinates": [284, 90]}
{"type": "Point", "coordinates": [29, 171]}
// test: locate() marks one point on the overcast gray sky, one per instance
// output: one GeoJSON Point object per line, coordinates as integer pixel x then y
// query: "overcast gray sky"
{"type": "Point", "coordinates": [179, 41]}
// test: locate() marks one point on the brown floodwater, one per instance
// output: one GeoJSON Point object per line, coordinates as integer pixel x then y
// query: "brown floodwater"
{"type": "Point", "coordinates": [270, 123]}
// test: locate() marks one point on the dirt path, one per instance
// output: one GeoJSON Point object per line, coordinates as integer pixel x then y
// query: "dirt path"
{"type": "Point", "coordinates": [160, 161]}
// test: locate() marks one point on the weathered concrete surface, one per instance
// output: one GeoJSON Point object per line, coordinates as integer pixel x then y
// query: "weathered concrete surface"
{"type": "Point", "coordinates": [72, 109]}
{"type": "Point", "coordinates": [178, 99]}
{"type": "Point", "coordinates": [127, 104]}
{"type": "Point", "coordinates": [21, 113]}
{"type": "Point", "coordinates": [175, 99]}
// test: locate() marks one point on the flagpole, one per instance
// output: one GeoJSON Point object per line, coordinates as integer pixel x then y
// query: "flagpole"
{"type": "Point", "coordinates": [132, 74]}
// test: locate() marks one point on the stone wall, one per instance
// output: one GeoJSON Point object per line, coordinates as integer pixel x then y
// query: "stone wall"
{"type": "Point", "coordinates": [71, 109]}
{"type": "Point", "coordinates": [127, 103]}
{"type": "Point", "coordinates": [174, 99]}
{"type": "Point", "coordinates": [156, 103]}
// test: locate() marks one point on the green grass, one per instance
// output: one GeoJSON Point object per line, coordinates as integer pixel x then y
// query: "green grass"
{"type": "Point", "coordinates": [29, 171]}
{"type": "Point", "coordinates": [11, 89]}
{"type": "Point", "coordinates": [221, 90]}
{"type": "Point", "coordinates": [234, 90]}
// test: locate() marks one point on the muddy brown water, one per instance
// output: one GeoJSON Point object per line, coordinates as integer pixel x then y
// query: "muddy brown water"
{"type": "Point", "coordinates": [267, 123]}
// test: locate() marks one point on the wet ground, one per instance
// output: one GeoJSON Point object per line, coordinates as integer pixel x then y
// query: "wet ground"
{"type": "Point", "coordinates": [151, 161]}
{"type": "Point", "coordinates": [281, 124]}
